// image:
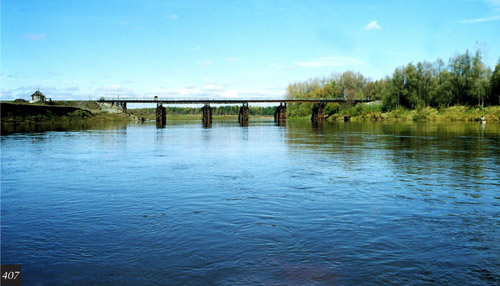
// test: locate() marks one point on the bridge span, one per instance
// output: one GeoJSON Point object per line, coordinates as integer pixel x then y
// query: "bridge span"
{"type": "Point", "coordinates": [244, 113]}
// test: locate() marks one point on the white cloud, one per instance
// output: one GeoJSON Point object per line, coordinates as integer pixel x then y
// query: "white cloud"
{"type": "Point", "coordinates": [215, 91]}
{"type": "Point", "coordinates": [253, 94]}
{"type": "Point", "coordinates": [35, 37]}
{"type": "Point", "coordinates": [6, 93]}
{"type": "Point", "coordinates": [190, 91]}
{"type": "Point", "coordinates": [207, 63]}
{"type": "Point", "coordinates": [211, 87]}
{"type": "Point", "coordinates": [280, 66]}
{"type": "Point", "coordinates": [115, 90]}
{"type": "Point", "coordinates": [71, 89]}
{"type": "Point", "coordinates": [373, 25]}
{"type": "Point", "coordinates": [3, 75]}
{"type": "Point", "coordinates": [330, 62]}
{"type": "Point", "coordinates": [230, 94]}
{"type": "Point", "coordinates": [55, 93]}
{"type": "Point", "coordinates": [166, 92]}
{"type": "Point", "coordinates": [480, 20]}
{"type": "Point", "coordinates": [172, 17]}
{"type": "Point", "coordinates": [494, 10]}
{"type": "Point", "coordinates": [231, 60]}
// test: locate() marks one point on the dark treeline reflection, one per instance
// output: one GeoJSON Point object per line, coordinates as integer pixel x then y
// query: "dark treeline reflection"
{"type": "Point", "coordinates": [411, 148]}
{"type": "Point", "coordinates": [60, 126]}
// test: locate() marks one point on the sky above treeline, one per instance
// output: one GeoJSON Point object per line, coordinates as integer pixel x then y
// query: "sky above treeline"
{"type": "Point", "coordinates": [226, 49]}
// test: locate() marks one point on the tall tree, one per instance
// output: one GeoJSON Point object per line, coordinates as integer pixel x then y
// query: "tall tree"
{"type": "Point", "coordinates": [479, 80]}
{"type": "Point", "coordinates": [495, 86]}
{"type": "Point", "coordinates": [461, 70]}
{"type": "Point", "coordinates": [351, 85]}
{"type": "Point", "coordinates": [440, 91]}
{"type": "Point", "coordinates": [425, 82]}
{"type": "Point", "coordinates": [396, 90]}
{"type": "Point", "coordinates": [411, 81]}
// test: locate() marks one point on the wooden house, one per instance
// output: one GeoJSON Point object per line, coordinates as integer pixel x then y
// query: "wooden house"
{"type": "Point", "coordinates": [38, 97]}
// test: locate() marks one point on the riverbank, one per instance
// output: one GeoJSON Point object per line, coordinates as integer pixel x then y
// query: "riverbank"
{"type": "Point", "coordinates": [454, 113]}
{"type": "Point", "coordinates": [22, 113]}
{"type": "Point", "coordinates": [91, 111]}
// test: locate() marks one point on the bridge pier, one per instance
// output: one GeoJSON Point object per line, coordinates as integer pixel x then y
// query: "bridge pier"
{"type": "Point", "coordinates": [161, 115]}
{"type": "Point", "coordinates": [124, 107]}
{"type": "Point", "coordinates": [207, 115]}
{"type": "Point", "coordinates": [120, 105]}
{"type": "Point", "coordinates": [318, 114]}
{"type": "Point", "coordinates": [244, 115]}
{"type": "Point", "coordinates": [280, 114]}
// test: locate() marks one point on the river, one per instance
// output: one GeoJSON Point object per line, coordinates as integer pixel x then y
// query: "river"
{"type": "Point", "coordinates": [336, 204]}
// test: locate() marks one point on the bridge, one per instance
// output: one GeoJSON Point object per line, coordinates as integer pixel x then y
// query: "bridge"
{"type": "Point", "coordinates": [244, 113]}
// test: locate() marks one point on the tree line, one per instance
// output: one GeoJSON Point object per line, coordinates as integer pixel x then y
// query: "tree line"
{"type": "Point", "coordinates": [464, 80]}
{"type": "Point", "coordinates": [218, 110]}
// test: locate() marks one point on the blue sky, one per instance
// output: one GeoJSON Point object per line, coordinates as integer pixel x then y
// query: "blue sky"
{"type": "Point", "coordinates": [226, 49]}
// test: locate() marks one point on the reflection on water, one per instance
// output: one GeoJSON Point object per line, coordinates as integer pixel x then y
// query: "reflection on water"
{"type": "Point", "coordinates": [60, 126]}
{"type": "Point", "coordinates": [338, 203]}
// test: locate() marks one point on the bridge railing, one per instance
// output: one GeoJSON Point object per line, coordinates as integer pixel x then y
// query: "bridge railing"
{"type": "Point", "coordinates": [230, 100]}
{"type": "Point", "coordinates": [185, 99]}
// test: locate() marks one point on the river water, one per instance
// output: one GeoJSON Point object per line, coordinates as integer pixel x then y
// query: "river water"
{"type": "Point", "coordinates": [338, 204]}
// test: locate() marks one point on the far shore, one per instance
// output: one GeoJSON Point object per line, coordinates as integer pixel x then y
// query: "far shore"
{"type": "Point", "coordinates": [23, 112]}
{"type": "Point", "coordinates": [453, 113]}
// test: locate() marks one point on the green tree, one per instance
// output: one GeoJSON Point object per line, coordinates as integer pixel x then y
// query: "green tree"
{"type": "Point", "coordinates": [426, 82]}
{"type": "Point", "coordinates": [461, 79]}
{"type": "Point", "coordinates": [411, 81]}
{"type": "Point", "coordinates": [396, 89]}
{"type": "Point", "coordinates": [377, 90]}
{"type": "Point", "coordinates": [494, 97]}
{"type": "Point", "coordinates": [441, 90]}
{"type": "Point", "coordinates": [480, 80]}
{"type": "Point", "coordinates": [312, 88]}
{"type": "Point", "coordinates": [351, 85]}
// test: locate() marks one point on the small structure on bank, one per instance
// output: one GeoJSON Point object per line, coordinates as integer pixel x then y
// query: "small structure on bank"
{"type": "Point", "coordinates": [38, 96]}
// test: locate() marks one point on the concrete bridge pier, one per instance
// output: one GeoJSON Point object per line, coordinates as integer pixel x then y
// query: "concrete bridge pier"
{"type": "Point", "coordinates": [318, 114]}
{"type": "Point", "coordinates": [121, 105]}
{"type": "Point", "coordinates": [124, 107]}
{"type": "Point", "coordinates": [207, 115]}
{"type": "Point", "coordinates": [280, 114]}
{"type": "Point", "coordinates": [161, 115]}
{"type": "Point", "coordinates": [244, 115]}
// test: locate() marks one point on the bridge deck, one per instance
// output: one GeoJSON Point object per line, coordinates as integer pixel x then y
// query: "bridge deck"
{"type": "Point", "coordinates": [230, 101]}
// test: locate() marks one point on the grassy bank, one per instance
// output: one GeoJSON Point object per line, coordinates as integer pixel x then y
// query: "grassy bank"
{"type": "Point", "coordinates": [70, 111]}
{"type": "Point", "coordinates": [18, 113]}
{"type": "Point", "coordinates": [455, 113]}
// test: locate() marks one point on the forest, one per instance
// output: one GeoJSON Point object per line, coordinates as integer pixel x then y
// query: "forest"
{"type": "Point", "coordinates": [216, 110]}
{"type": "Point", "coordinates": [463, 81]}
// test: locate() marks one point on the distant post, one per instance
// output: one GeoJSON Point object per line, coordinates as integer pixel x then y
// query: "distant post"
{"type": "Point", "coordinates": [244, 115]}
{"type": "Point", "coordinates": [161, 116]}
{"type": "Point", "coordinates": [124, 106]}
{"type": "Point", "coordinates": [280, 114]}
{"type": "Point", "coordinates": [207, 115]}
{"type": "Point", "coordinates": [318, 114]}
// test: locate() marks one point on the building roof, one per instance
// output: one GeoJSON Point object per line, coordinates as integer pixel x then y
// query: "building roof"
{"type": "Point", "coordinates": [38, 93]}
